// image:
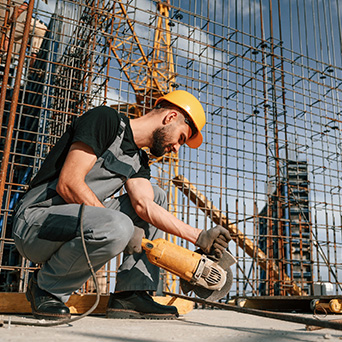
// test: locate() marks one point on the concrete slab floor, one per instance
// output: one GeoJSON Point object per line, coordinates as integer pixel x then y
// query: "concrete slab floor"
{"type": "Point", "coordinates": [197, 326]}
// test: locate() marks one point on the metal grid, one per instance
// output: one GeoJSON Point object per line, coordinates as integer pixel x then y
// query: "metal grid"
{"type": "Point", "coordinates": [268, 75]}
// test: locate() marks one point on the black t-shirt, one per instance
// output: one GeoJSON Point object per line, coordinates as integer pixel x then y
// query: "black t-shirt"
{"type": "Point", "coordinates": [98, 129]}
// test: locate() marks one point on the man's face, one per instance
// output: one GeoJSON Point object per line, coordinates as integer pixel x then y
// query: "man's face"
{"type": "Point", "coordinates": [169, 138]}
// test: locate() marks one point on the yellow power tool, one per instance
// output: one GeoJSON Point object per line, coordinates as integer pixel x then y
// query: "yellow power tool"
{"type": "Point", "coordinates": [208, 277]}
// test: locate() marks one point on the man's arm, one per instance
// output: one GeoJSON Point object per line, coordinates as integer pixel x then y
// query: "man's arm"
{"type": "Point", "coordinates": [140, 192]}
{"type": "Point", "coordinates": [22, 8]}
{"type": "Point", "coordinates": [71, 185]}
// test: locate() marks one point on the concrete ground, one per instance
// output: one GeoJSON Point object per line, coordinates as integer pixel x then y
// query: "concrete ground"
{"type": "Point", "coordinates": [197, 326]}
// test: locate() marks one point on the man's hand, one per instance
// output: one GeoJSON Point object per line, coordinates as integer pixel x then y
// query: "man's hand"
{"type": "Point", "coordinates": [134, 244]}
{"type": "Point", "coordinates": [215, 239]}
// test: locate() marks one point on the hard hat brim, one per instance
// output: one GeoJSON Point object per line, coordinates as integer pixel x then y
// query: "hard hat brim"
{"type": "Point", "coordinates": [196, 140]}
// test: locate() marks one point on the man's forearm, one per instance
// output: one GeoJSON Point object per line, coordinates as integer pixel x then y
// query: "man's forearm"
{"type": "Point", "coordinates": [78, 193]}
{"type": "Point", "coordinates": [156, 215]}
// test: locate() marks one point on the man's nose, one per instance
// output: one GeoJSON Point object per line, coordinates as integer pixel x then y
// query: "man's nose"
{"type": "Point", "coordinates": [175, 148]}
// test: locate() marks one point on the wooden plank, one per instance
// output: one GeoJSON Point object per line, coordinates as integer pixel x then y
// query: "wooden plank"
{"type": "Point", "coordinates": [184, 306]}
{"type": "Point", "coordinates": [11, 302]}
{"type": "Point", "coordinates": [79, 304]}
{"type": "Point", "coordinates": [239, 237]}
{"type": "Point", "coordinates": [16, 303]}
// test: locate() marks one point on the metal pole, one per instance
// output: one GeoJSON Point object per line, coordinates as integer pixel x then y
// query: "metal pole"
{"type": "Point", "coordinates": [7, 68]}
{"type": "Point", "coordinates": [14, 103]}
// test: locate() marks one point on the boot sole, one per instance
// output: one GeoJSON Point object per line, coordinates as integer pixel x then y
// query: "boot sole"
{"type": "Point", "coordinates": [131, 314]}
{"type": "Point", "coordinates": [50, 317]}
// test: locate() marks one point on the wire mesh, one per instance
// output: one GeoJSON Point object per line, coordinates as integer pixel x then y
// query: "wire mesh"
{"type": "Point", "coordinates": [268, 75]}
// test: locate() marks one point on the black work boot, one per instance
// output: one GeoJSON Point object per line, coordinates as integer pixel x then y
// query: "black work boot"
{"type": "Point", "coordinates": [44, 305]}
{"type": "Point", "coordinates": [138, 304]}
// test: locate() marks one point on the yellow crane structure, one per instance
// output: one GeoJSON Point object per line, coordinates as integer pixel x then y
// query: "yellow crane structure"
{"type": "Point", "coordinates": [154, 73]}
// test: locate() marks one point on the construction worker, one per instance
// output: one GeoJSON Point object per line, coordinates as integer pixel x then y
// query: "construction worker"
{"type": "Point", "coordinates": [98, 154]}
{"type": "Point", "coordinates": [37, 28]}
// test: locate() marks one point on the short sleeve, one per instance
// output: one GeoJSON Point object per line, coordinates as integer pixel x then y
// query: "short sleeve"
{"type": "Point", "coordinates": [97, 128]}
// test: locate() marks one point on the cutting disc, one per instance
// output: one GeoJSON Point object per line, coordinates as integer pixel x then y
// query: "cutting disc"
{"type": "Point", "coordinates": [225, 262]}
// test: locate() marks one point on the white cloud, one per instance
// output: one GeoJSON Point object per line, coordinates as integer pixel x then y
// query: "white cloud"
{"type": "Point", "coordinates": [113, 97]}
{"type": "Point", "coordinates": [244, 7]}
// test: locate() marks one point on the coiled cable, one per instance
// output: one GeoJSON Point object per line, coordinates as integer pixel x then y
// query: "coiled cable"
{"type": "Point", "coordinates": [88, 312]}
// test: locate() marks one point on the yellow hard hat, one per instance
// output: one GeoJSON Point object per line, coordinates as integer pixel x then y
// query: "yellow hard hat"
{"type": "Point", "coordinates": [192, 107]}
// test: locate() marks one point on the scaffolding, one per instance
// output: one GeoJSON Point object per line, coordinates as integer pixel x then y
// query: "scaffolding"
{"type": "Point", "coordinates": [268, 74]}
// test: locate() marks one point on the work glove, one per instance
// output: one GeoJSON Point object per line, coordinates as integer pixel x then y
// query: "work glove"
{"type": "Point", "coordinates": [213, 241]}
{"type": "Point", "coordinates": [134, 244]}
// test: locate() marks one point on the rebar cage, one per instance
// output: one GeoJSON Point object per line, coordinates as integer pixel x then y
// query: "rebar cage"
{"type": "Point", "coordinates": [268, 75]}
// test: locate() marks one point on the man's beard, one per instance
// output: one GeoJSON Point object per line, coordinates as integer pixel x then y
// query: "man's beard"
{"type": "Point", "coordinates": [159, 137]}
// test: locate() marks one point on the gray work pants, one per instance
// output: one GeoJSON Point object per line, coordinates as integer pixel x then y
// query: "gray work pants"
{"type": "Point", "coordinates": [107, 232]}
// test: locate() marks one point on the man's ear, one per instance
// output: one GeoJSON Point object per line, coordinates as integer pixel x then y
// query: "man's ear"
{"type": "Point", "coordinates": [170, 117]}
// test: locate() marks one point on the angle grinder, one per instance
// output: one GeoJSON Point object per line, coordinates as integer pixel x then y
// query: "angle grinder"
{"type": "Point", "coordinates": [207, 276]}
